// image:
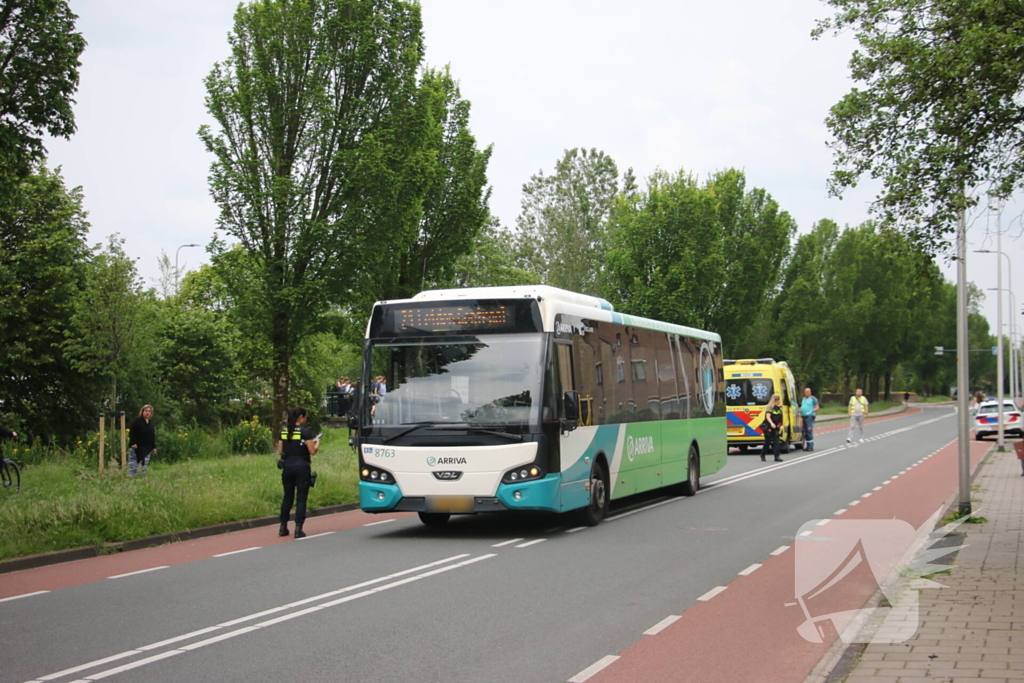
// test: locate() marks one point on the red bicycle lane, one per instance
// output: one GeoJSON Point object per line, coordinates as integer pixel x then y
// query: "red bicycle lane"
{"type": "Point", "coordinates": [747, 632]}
{"type": "Point", "coordinates": [56, 576]}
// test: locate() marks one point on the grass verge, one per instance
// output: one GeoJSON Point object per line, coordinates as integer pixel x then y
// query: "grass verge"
{"type": "Point", "coordinates": [66, 505]}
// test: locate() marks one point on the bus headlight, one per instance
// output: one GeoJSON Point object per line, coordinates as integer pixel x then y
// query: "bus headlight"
{"type": "Point", "coordinates": [521, 474]}
{"type": "Point", "coordinates": [376, 474]}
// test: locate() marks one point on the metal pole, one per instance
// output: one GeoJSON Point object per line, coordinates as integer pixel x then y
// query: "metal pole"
{"type": "Point", "coordinates": [962, 375]}
{"type": "Point", "coordinates": [176, 264]}
{"type": "Point", "coordinates": [1000, 436]}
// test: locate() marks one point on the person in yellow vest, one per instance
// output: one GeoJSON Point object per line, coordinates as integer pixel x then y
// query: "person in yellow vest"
{"type": "Point", "coordinates": [295, 448]}
{"type": "Point", "coordinates": [858, 410]}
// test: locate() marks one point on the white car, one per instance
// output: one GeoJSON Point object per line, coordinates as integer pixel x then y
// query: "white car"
{"type": "Point", "coordinates": [986, 419]}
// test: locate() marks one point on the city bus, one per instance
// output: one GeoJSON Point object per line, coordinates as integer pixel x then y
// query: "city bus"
{"type": "Point", "coordinates": [531, 398]}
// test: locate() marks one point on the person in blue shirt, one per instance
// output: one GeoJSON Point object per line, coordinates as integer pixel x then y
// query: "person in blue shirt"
{"type": "Point", "coordinates": [808, 411]}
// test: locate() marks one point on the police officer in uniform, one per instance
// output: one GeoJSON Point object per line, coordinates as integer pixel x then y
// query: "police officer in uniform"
{"type": "Point", "coordinates": [295, 448]}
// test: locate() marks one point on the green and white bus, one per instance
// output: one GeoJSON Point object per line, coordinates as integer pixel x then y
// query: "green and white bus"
{"type": "Point", "coordinates": [531, 398]}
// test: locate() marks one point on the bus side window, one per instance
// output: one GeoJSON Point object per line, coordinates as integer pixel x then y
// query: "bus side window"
{"type": "Point", "coordinates": [565, 377]}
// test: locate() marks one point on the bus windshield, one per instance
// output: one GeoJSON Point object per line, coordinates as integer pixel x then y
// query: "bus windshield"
{"type": "Point", "coordinates": [492, 380]}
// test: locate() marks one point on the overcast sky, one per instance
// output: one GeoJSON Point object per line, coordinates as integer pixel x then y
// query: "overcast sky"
{"type": "Point", "coordinates": [671, 84]}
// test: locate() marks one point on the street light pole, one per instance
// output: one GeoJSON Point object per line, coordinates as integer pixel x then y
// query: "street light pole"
{"type": "Point", "coordinates": [999, 331]}
{"type": "Point", "coordinates": [176, 264]}
{"type": "Point", "coordinates": [962, 376]}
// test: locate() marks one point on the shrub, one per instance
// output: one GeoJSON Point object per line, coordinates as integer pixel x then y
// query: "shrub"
{"type": "Point", "coordinates": [187, 443]}
{"type": "Point", "coordinates": [249, 436]}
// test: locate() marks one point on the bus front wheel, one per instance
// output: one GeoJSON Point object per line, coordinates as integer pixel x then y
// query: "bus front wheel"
{"type": "Point", "coordinates": [596, 509]}
{"type": "Point", "coordinates": [434, 519]}
{"type": "Point", "coordinates": [692, 483]}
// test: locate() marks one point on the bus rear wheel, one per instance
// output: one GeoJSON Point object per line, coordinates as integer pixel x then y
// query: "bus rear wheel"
{"type": "Point", "coordinates": [434, 519]}
{"type": "Point", "coordinates": [692, 483]}
{"type": "Point", "coordinates": [597, 507]}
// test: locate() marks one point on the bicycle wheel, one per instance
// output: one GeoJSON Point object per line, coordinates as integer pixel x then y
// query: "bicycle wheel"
{"type": "Point", "coordinates": [10, 475]}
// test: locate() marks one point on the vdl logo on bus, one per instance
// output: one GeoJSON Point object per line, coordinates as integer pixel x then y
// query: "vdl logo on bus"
{"type": "Point", "coordinates": [639, 446]}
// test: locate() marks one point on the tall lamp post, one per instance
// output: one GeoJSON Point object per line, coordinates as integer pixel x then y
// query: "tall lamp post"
{"type": "Point", "coordinates": [962, 371]}
{"type": "Point", "coordinates": [1014, 351]}
{"type": "Point", "coordinates": [176, 264]}
{"type": "Point", "coordinates": [999, 333]}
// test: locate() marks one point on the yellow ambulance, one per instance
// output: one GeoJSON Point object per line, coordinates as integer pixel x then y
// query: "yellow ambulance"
{"type": "Point", "coordinates": [749, 384]}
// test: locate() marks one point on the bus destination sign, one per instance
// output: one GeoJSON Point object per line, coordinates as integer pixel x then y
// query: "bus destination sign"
{"type": "Point", "coordinates": [461, 318]}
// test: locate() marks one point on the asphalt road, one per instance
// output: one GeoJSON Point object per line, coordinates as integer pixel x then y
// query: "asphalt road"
{"type": "Point", "coordinates": [489, 598]}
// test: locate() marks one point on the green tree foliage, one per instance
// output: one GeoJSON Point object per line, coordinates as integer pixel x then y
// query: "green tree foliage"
{"type": "Point", "coordinates": [855, 305]}
{"type": "Point", "coordinates": [196, 362]}
{"type": "Point", "coordinates": [936, 112]}
{"type": "Point", "coordinates": [39, 50]}
{"type": "Point", "coordinates": [706, 255]}
{"type": "Point", "coordinates": [451, 190]}
{"type": "Point", "coordinates": [43, 259]}
{"type": "Point", "coordinates": [113, 322]}
{"type": "Point", "coordinates": [492, 261]}
{"type": "Point", "coordinates": [337, 172]}
{"type": "Point", "coordinates": [564, 220]}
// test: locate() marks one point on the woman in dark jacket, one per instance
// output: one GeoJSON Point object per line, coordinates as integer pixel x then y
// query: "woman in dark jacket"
{"type": "Point", "coordinates": [142, 437]}
{"type": "Point", "coordinates": [295, 448]}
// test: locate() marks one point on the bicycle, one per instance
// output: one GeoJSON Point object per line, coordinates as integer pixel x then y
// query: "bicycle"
{"type": "Point", "coordinates": [10, 474]}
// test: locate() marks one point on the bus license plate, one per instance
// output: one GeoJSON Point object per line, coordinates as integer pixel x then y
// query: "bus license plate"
{"type": "Point", "coordinates": [449, 503]}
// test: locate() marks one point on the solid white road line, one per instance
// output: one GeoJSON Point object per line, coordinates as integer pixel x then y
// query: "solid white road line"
{"type": "Point", "coordinates": [529, 543]}
{"type": "Point", "coordinates": [750, 570]}
{"type": "Point", "coordinates": [141, 571]}
{"type": "Point", "coordinates": [593, 669]}
{"type": "Point", "coordinates": [504, 543]}
{"type": "Point", "coordinates": [711, 593]}
{"type": "Point", "coordinates": [257, 615]}
{"type": "Point", "coordinates": [23, 595]}
{"type": "Point", "coordinates": [235, 552]}
{"type": "Point", "coordinates": [662, 625]}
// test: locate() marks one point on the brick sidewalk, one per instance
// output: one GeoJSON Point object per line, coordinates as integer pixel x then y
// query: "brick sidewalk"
{"type": "Point", "coordinates": [973, 629]}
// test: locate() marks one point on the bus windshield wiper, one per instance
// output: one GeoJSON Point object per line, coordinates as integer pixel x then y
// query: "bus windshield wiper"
{"type": "Point", "coordinates": [414, 426]}
{"type": "Point", "coordinates": [479, 430]}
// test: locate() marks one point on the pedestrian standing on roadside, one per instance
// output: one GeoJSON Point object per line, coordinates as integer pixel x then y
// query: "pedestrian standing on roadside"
{"type": "Point", "coordinates": [142, 440]}
{"type": "Point", "coordinates": [858, 410]}
{"type": "Point", "coordinates": [771, 426]}
{"type": "Point", "coordinates": [808, 411]}
{"type": "Point", "coordinates": [295, 448]}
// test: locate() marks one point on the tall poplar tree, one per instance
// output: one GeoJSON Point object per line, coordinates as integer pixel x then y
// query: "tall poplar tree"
{"type": "Point", "coordinates": [314, 149]}
{"type": "Point", "coordinates": [563, 224]}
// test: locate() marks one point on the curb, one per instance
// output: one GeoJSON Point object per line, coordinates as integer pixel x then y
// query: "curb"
{"type": "Point", "coordinates": [60, 556]}
{"type": "Point", "coordinates": [842, 658]}
{"type": "Point", "coordinates": [843, 416]}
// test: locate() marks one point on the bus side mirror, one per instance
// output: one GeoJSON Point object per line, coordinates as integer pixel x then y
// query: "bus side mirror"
{"type": "Point", "coordinates": [571, 402]}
